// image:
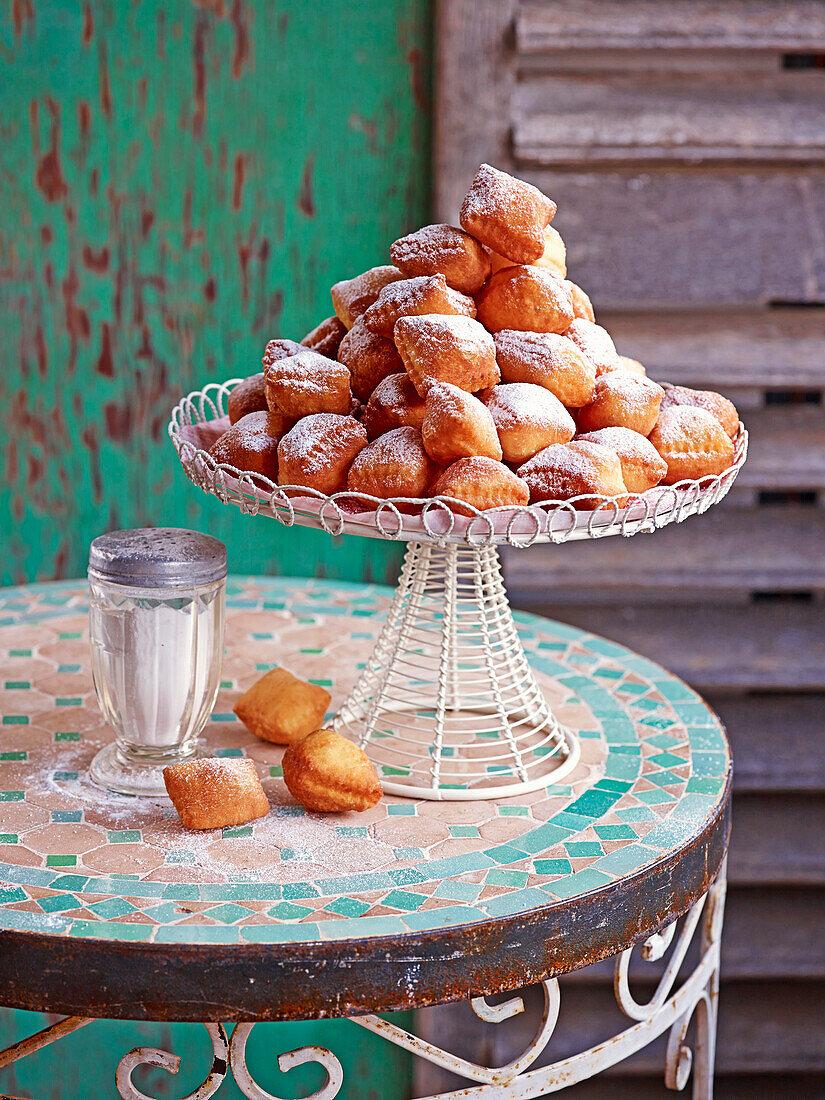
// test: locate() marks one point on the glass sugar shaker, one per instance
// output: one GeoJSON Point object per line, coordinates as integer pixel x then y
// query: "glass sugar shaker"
{"type": "Point", "coordinates": [156, 627]}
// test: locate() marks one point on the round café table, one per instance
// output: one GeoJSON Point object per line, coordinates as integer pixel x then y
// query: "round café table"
{"type": "Point", "coordinates": [110, 908]}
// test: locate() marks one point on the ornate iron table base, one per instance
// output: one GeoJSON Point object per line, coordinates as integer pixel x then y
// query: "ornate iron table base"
{"type": "Point", "coordinates": [696, 997]}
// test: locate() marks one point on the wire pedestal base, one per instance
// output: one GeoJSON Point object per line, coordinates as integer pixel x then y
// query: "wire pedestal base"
{"type": "Point", "coordinates": [447, 706]}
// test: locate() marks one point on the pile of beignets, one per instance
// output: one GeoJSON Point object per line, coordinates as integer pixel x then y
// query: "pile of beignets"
{"type": "Point", "coordinates": [471, 367]}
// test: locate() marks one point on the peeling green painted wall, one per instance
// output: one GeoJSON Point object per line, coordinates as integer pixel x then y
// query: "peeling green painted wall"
{"type": "Point", "coordinates": [181, 182]}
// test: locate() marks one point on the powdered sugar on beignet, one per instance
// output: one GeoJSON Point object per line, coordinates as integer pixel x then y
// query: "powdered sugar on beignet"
{"type": "Point", "coordinates": [632, 366]}
{"type": "Point", "coordinates": [713, 402]}
{"type": "Point", "coordinates": [692, 442]}
{"type": "Point", "coordinates": [444, 249]}
{"type": "Point", "coordinates": [326, 337]}
{"type": "Point", "coordinates": [247, 397]}
{"type": "Point", "coordinates": [546, 359]}
{"type": "Point", "coordinates": [507, 214]}
{"type": "Point", "coordinates": [554, 256]}
{"type": "Point", "coordinates": [394, 465]}
{"type": "Point", "coordinates": [446, 349]}
{"type": "Point", "coordinates": [369, 359]}
{"type": "Point", "coordinates": [621, 400]}
{"type": "Point", "coordinates": [482, 482]}
{"type": "Point", "coordinates": [214, 793]}
{"type": "Point", "coordinates": [527, 418]}
{"type": "Point", "coordinates": [596, 343]}
{"type": "Point", "coordinates": [395, 403]}
{"type": "Point", "coordinates": [351, 297]}
{"type": "Point", "coordinates": [413, 298]}
{"type": "Point", "coordinates": [528, 298]}
{"type": "Point", "coordinates": [252, 443]}
{"type": "Point", "coordinates": [318, 451]}
{"type": "Point", "coordinates": [566, 470]}
{"type": "Point", "coordinates": [280, 349]}
{"type": "Point", "coordinates": [307, 383]}
{"type": "Point", "coordinates": [642, 465]}
{"type": "Point", "coordinates": [582, 306]}
{"type": "Point", "coordinates": [457, 425]}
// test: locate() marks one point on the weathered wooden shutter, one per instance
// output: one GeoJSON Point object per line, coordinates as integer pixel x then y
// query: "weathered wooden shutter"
{"type": "Point", "coordinates": [684, 143]}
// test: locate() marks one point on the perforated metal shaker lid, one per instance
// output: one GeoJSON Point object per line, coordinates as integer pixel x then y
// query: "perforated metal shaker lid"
{"type": "Point", "coordinates": [157, 557]}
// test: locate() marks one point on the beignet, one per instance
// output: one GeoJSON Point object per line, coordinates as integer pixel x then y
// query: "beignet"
{"type": "Point", "coordinates": [307, 383]}
{"type": "Point", "coordinates": [642, 465]}
{"type": "Point", "coordinates": [319, 450]}
{"type": "Point", "coordinates": [281, 708]}
{"type": "Point", "coordinates": [549, 360]}
{"type": "Point", "coordinates": [369, 359]}
{"type": "Point", "coordinates": [351, 297]}
{"type": "Point", "coordinates": [394, 403]}
{"type": "Point", "coordinates": [507, 214]}
{"type": "Point", "coordinates": [595, 342]}
{"type": "Point", "coordinates": [252, 443]}
{"type": "Point", "coordinates": [531, 299]}
{"type": "Point", "coordinates": [566, 470]}
{"type": "Point", "coordinates": [247, 397]}
{"type": "Point", "coordinates": [554, 256]}
{"type": "Point", "coordinates": [714, 403]}
{"type": "Point", "coordinates": [446, 349]}
{"type": "Point", "coordinates": [329, 774]}
{"type": "Point", "coordinates": [326, 337]}
{"type": "Point", "coordinates": [413, 298]}
{"type": "Point", "coordinates": [457, 425]}
{"type": "Point", "coordinates": [692, 442]}
{"type": "Point", "coordinates": [527, 418]}
{"type": "Point", "coordinates": [483, 483]}
{"type": "Point", "coordinates": [215, 792]}
{"type": "Point", "coordinates": [621, 400]}
{"type": "Point", "coordinates": [435, 249]}
{"type": "Point", "coordinates": [394, 465]}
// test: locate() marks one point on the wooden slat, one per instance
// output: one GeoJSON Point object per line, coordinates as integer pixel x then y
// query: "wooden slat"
{"type": "Point", "coordinates": [474, 77]}
{"type": "Point", "coordinates": [658, 119]}
{"type": "Point", "coordinates": [556, 25]}
{"type": "Point", "coordinates": [765, 647]}
{"type": "Point", "coordinates": [750, 1040]}
{"type": "Point", "coordinates": [778, 839]}
{"type": "Point", "coordinates": [725, 551]}
{"type": "Point", "coordinates": [787, 448]}
{"type": "Point", "coordinates": [776, 741]}
{"type": "Point", "coordinates": [789, 1086]}
{"type": "Point", "coordinates": [693, 237]}
{"type": "Point", "coordinates": [771, 348]}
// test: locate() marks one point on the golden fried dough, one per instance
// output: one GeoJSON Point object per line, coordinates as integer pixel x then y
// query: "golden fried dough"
{"type": "Point", "coordinates": [326, 337]}
{"type": "Point", "coordinates": [483, 483]}
{"type": "Point", "coordinates": [507, 214]}
{"type": "Point", "coordinates": [692, 442]}
{"type": "Point", "coordinates": [215, 792]}
{"type": "Point", "coordinates": [351, 297]}
{"type": "Point", "coordinates": [446, 349]}
{"type": "Point", "coordinates": [394, 403]}
{"type": "Point", "coordinates": [713, 402]}
{"type": "Point", "coordinates": [531, 299]}
{"type": "Point", "coordinates": [527, 418]}
{"type": "Point", "coordinates": [554, 256]}
{"type": "Point", "coordinates": [394, 465]}
{"type": "Point", "coordinates": [642, 466]}
{"type": "Point", "coordinates": [462, 261]}
{"type": "Point", "coordinates": [252, 443]}
{"type": "Point", "coordinates": [582, 306]}
{"type": "Point", "coordinates": [457, 425]}
{"type": "Point", "coordinates": [412, 298]}
{"type": "Point", "coordinates": [369, 359]}
{"type": "Point", "coordinates": [329, 774]}
{"type": "Point", "coordinates": [281, 708]}
{"type": "Point", "coordinates": [621, 400]}
{"type": "Point", "coordinates": [632, 366]}
{"type": "Point", "coordinates": [307, 383]}
{"type": "Point", "coordinates": [596, 344]}
{"type": "Point", "coordinates": [549, 360]}
{"type": "Point", "coordinates": [566, 470]}
{"type": "Point", "coordinates": [248, 396]}
{"type": "Point", "coordinates": [318, 451]}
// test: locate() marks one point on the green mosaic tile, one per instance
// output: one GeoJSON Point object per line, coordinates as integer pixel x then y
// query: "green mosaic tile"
{"type": "Point", "coordinates": [705, 764]}
{"type": "Point", "coordinates": [697, 785]}
{"type": "Point", "coordinates": [165, 913]}
{"type": "Point", "coordinates": [516, 901]}
{"type": "Point", "coordinates": [286, 910]}
{"type": "Point", "coordinates": [347, 907]}
{"type": "Point", "coordinates": [553, 866]}
{"type": "Point", "coordinates": [59, 903]}
{"type": "Point", "coordinates": [442, 918]}
{"type": "Point", "coordinates": [654, 798]}
{"type": "Point", "coordinates": [408, 853]}
{"type": "Point", "coordinates": [505, 853]}
{"type": "Point", "coordinates": [226, 718]}
{"type": "Point", "coordinates": [236, 830]}
{"type": "Point", "coordinates": [453, 890]}
{"type": "Point", "coordinates": [545, 836]}
{"type": "Point", "coordinates": [404, 899]}
{"type": "Point", "coordinates": [67, 735]}
{"type": "Point", "coordinates": [352, 831]}
{"type": "Point", "coordinates": [615, 832]}
{"type": "Point", "coordinates": [68, 668]}
{"type": "Point", "coordinates": [15, 719]}
{"type": "Point", "coordinates": [12, 796]}
{"type": "Point", "coordinates": [298, 854]}
{"type": "Point", "coordinates": [66, 816]}
{"type": "Point", "coordinates": [295, 891]}
{"type": "Point", "coordinates": [581, 849]}
{"type": "Point", "coordinates": [68, 701]}
{"type": "Point", "coordinates": [20, 653]}
{"type": "Point", "coordinates": [8, 838]}
{"type": "Point", "coordinates": [61, 861]}
{"type": "Point", "coordinates": [624, 860]}
{"type": "Point", "coordinates": [507, 877]}
{"type": "Point", "coordinates": [111, 908]}
{"type": "Point", "coordinates": [12, 894]}
{"type": "Point", "coordinates": [276, 771]}
{"type": "Point", "coordinates": [181, 857]}
{"type": "Point", "coordinates": [17, 755]}
{"type": "Point", "coordinates": [401, 810]}
{"type": "Point", "coordinates": [663, 740]}
{"type": "Point", "coordinates": [464, 830]}
{"type": "Point", "coordinates": [579, 883]}
{"type": "Point", "coordinates": [405, 876]}
{"type": "Point", "coordinates": [283, 933]}
{"type": "Point", "coordinates": [513, 811]}
{"type": "Point", "coordinates": [70, 636]}
{"type": "Point", "coordinates": [197, 933]}
{"type": "Point", "coordinates": [65, 777]}
{"type": "Point", "coordinates": [69, 882]}
{"type": "Point", "coordinates": [125, 836]}
{"type": "Point", "coordinates": [667, 760]}
{"type": "Point", "coordinates": [658, 723]}
{"type": "Point", "coordinates": [18, 685]}
{"type": "Point", "coordinates": [110, 930]}
{"type": "Point", "coordinates": [229, 754]}
{"type": "Point", "coordinates": [636, 813]}
{"type": "Point", "coordinates": [228, 913]}
{"type": "Point", "coordinates": [669, 833]}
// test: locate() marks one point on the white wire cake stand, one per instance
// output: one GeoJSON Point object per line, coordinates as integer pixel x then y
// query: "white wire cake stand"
{"type": "Point", "coordinates": [447, 704]}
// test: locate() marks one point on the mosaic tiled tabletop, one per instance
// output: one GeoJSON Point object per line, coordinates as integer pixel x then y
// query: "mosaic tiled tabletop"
{"type": "Point", "coordinates": [76, 862]}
